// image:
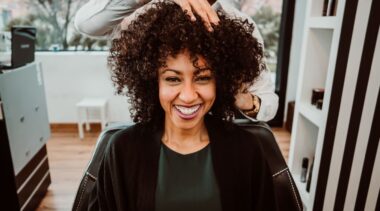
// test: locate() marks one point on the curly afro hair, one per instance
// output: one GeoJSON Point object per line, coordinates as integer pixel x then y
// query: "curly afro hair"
{"type": "Point", "coordinates": [232, 53]}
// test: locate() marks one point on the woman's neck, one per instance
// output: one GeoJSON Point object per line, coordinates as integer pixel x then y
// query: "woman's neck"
{"type": "Point", "coordinates": [185, 139]}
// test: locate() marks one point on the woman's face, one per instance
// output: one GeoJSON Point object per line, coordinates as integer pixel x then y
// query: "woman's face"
{"type": "Point", "coordinates": [186, 93]}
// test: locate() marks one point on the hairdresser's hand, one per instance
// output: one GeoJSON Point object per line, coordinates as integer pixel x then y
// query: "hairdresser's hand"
{"type": "Point", "coordinates": [243, 101]}
{"type": "Point", "coordinates": [247, 102]}
{"type": "Point", "coordinates": [202, 8]}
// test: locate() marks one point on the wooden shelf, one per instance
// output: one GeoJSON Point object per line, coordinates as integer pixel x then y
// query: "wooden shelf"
{"type": "Point", "coordinates": [311, 112]}
{"type": "Point", "coordinates": [326, 22]}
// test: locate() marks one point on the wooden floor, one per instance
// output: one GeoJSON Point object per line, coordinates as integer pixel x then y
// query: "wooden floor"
{"type": "Point", "coordinates": [68, 157]}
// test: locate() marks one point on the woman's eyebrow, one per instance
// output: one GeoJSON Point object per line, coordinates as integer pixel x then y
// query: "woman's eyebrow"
{"type": "Point", "coordinates": [168, 69]}
{"type": "Point", "coordinates": [196, 72]}
{"type": "Point", "coordinates": [201, 70]}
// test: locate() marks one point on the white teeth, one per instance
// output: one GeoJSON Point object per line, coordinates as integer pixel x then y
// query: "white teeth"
{"type": "Point", "coordinates": [188, 110]}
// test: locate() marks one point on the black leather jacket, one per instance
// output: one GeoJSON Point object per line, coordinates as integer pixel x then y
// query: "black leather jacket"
{"type": "Point", "coordinates": [270, 189]}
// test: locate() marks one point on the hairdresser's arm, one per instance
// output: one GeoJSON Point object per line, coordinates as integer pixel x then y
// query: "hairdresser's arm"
{"type": "Point", "coordinates": [263, 88]}
{"type": "Point", "coordinates": [263, 91]}
{"type": "Point", "coordinates": [200, 7]}
{"type": "Point", "coordinates": [98, 18]}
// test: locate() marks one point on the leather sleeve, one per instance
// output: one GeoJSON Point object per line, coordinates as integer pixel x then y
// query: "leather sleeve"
{"type": "Point", "coordinates": [266, 199]}
{"type": "Point", "coordinates": [264, 195]}
{"type": "Point", "coordinates": [109, 193]}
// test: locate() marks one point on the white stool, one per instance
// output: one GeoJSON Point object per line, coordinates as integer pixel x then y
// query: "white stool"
{"type": "Point", "coordinates": [91, 103]}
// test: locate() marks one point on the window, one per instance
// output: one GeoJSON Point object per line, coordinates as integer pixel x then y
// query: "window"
{"type": "Point", "coordinates": [53, 20]}
{"type": "Point", "coordinates": [274, 18]}
{"type": "Point", "coordinates": [267, 15]}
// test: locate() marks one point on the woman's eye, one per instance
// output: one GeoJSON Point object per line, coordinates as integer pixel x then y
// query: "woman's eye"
{"type": "Point", "coordinates": [172, 79]}
{"type": "Point", "coordinates": [203, 78]}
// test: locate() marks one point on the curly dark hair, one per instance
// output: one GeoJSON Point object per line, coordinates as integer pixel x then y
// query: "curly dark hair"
{"type": "Point", "coordinates": [232, 53]}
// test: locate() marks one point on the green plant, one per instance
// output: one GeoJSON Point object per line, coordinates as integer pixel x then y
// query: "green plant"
{"type": "Point", "coordinates": [53, 20]}
{"type": "Point", "coordinates": [76, 40]}
{"type": "Point", "coordinates": [268, 23]}
{"type": "Point", "coordinates": [102, 43]}
{"type": "Point", "coordinates": [88, 43]}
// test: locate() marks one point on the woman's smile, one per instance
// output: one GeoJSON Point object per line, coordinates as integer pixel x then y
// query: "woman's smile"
{"type": "Point", "coordinates": [187, 112]}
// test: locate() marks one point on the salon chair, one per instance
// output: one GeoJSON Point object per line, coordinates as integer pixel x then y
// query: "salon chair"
{"type": "Point", "coordinates": [287, 196]}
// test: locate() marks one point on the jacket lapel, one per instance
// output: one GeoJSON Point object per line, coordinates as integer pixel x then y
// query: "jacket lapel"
{"type": "Point", "coordinates": [223, 161]}
{"type": "Point", "coordinates": [148, 170]}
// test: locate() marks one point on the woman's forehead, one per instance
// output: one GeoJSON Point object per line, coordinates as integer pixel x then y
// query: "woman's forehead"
{"type": "Point", "coordinates": [184, 61]}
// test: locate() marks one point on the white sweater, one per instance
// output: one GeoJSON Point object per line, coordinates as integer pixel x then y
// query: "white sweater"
{"type": "Point", "coordinates": [98, 18]}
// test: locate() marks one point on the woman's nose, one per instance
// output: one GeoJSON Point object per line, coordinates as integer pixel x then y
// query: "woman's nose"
{"type": "Point", "coordinates": [188, 93]}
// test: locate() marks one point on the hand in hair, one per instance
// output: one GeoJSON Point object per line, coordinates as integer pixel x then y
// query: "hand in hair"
{"type": "Point", "coordinates": [200, 7]}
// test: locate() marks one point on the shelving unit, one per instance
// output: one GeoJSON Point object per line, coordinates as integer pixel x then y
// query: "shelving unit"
{"type": "Point", "coordinates": [325, 22]}
{"type": "Point", "coordinates": [311, 113]}
{"type": "Point", "coordinates": [317, 65]}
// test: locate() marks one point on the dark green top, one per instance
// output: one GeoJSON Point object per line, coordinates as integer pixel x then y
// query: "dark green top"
{"type": "Point", "coordinates": [186, 182]}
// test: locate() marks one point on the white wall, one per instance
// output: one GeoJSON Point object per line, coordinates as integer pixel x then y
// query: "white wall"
{"type": "Point", "coordinates": [71, 76]}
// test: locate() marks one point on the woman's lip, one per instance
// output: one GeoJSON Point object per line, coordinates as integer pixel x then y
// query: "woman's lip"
{"type": "Point", "coordinates": [186, 110]}
{"type": "Point", "coordinates": [188, 116]}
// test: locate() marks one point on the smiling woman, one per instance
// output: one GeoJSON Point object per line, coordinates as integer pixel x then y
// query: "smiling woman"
{"type": "Point", "coordinates": [232, 53]}
{"type": "Point", "coordinates": [184, 153]}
